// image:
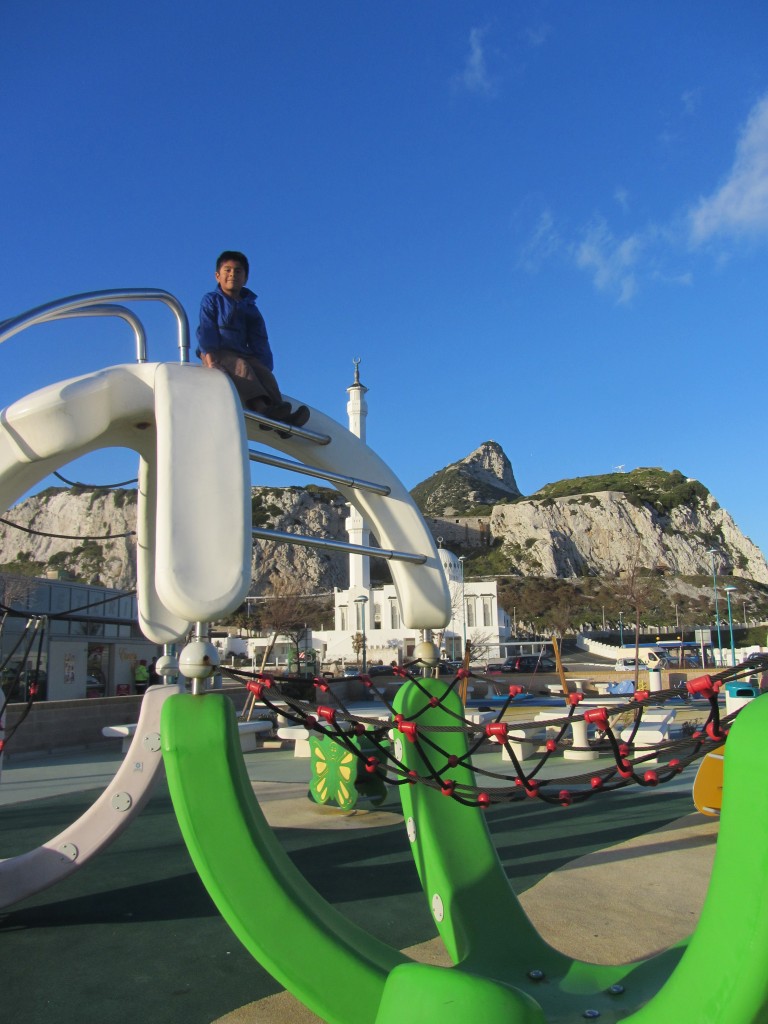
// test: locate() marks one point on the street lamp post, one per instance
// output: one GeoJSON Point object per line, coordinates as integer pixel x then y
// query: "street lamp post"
{"type": "Point", "coordinates": [463, 606]}
{"type": "Point", "coordinates": [728, 592]}
{"type": "Point", "coordinates": [362, 601]}
{"type": "Point", "coordinates": [713, 552]}
{"type": "Point", "coordinates": [621, 629]}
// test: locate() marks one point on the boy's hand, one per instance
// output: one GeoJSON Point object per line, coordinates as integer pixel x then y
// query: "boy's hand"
{"type": "Point", "coordinates": [210, 361]}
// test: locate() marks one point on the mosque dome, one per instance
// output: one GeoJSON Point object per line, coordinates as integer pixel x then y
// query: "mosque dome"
{"type": "Point", "coordinates": [451, 565]}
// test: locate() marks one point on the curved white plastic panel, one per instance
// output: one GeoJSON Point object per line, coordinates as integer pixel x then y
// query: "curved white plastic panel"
{"type": "Point", "coordinates": [203, 508]}
{"type": "Point", "coordinates": [186, 424]}
{"type": "Point", "coordinates": [104, 820]}
{"type": "Point", "coordinates": [157, 622]}
{"type": "Point", "coordinates": [395, 520]}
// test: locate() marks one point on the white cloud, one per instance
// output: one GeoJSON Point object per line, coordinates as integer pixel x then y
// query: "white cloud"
{"type": "Point", "coordinates": [740, 205]}
{"type": "Point", "coordinates": [542, 245]}
{"type": "Point", "coordinates": [611, 261]}
{"type": "Point", "coordinates": [475, 78]}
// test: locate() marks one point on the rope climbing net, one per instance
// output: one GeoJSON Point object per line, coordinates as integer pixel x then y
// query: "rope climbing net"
{"type": "Point", "coordinates": [628, 764]}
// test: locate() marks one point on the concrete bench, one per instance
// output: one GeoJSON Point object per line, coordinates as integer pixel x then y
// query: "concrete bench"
{"type": "Point", "coordinates": [653, 729]}
{"type": "Point", "coordinates": [249, 733]}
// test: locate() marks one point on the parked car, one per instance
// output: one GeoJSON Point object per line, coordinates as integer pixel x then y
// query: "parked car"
{"type": "Point", "coordinates": [628, 665]}
{"type": "Point", "coordinates": [533, 663]}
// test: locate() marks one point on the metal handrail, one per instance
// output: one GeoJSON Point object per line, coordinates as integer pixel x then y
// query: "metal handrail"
{"type": "Point", "coordinates": [286, 428]}
{"type": "Point", "coordinates": [337, 545]}
{"type": "Point", "coordinates": [78, 305]}
{"type": "Point", "coordinates": [323, 474]}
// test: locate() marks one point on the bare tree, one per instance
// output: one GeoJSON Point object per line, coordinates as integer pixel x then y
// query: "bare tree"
{"type": "Point", "coordinates": [285, 613]}
{"type": "Point", "coordinates": [637, 588]}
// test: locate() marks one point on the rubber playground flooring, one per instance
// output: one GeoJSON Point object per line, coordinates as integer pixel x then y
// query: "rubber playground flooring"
{"type": "Point", "coordinates": [134, 937]}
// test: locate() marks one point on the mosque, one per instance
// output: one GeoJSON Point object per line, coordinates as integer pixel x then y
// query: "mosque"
{"type": "Point", "coordinates": [372, 614]}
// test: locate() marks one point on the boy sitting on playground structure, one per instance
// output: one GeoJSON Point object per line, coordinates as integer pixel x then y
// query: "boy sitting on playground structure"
{"type": "Point", "coordinates": [232, 337]}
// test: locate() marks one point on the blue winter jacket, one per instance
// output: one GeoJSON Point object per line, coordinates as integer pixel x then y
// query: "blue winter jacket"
{"type": "Point", "coordinates": [233, 324]}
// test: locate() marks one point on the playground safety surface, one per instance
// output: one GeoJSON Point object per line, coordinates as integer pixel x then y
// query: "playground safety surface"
{"type": "Point", "coordinates": [133, 936]}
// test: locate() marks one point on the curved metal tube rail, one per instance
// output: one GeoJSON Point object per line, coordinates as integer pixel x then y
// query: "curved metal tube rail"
{"type": "Point", "coordinates": [337, 545]}
{"type": "Point", "coordinates": [323, 474]}
{"type": "Point", "coordinates": [85, 304]}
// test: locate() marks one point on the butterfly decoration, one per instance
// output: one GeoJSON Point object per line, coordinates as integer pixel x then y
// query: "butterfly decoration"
{"type": "Point", "coordinates": [338, 775]}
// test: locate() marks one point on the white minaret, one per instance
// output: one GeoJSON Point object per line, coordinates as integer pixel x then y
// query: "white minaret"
{"type": "Point", "coordinates": [357, 531]}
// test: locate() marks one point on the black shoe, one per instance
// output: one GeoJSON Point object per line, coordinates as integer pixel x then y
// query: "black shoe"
{"type": "Point", "coordinates": [299, 416]}
{"type": "Point", "coordinates": [279, 411]}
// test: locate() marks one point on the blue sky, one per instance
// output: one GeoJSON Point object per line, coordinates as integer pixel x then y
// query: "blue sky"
{"type": "Point", "coordinates": [542, 223]}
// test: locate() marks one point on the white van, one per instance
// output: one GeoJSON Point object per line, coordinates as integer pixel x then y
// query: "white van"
{"type": "Point", "coordinates": [655, 658]}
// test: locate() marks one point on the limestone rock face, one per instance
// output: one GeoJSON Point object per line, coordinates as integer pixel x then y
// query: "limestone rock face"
{"type": "Point", "coordinates": [86, 514]}
{"type": "Point", "coordinates": [484, 477]}
{"type": "Point", "coordinates": [602, 533]}
{"type": "Point", "coordinates": [659, 520]}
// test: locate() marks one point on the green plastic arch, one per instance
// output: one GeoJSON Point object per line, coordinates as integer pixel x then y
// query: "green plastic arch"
{"type": "Point", "coordinates": [348, 977]}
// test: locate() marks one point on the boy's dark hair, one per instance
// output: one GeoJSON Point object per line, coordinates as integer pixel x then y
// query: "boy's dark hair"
{"type": "Point", "coordinates": [236, 257]}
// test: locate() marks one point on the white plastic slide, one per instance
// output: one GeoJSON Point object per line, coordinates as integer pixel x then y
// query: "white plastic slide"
{"type": "Point", "coordinates": [105, 819]}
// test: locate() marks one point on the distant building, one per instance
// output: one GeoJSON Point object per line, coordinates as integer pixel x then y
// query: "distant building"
{"type": "Point", "coordinates": [86, 644]}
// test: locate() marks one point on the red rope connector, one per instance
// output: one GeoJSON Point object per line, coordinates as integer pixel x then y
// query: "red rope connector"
{"type": "Point", "coordinates": [640, 696]}
{"type": "Point", "coordinates": [371, 764]}
{"type": "Point", "coordinates": [453, 761]}
{"type": "Point", "coordinates": [434, 702]}
{"type": "Point", "coordinates": [408, 729]}
{"type": "Point", "coordinates": [675, 765]}
{"type": "Point", "coordinates": [447, 787]}
{"type": "Point", "coordinates": [398, 670]}
{"type": "Point", "coordinates": [714, 732]}
{"type": "Point", "coordinates": [327, 714]}
{"type": "Point", "coordinates": [532, 787]}
{"type": "Point", "coordinates": [551, 746]}
{"type": "Point", "coordinates": [624, 769]}
{"type": "Point", "coordinates": [413, 778]}
{"type": "Point", "coordinates": [463, 673]}
{"type": "Point", "coordinates": [515, 689]}
{"type": "Point", "coordinates": [483, 801]}
{"type": "Point", "coordinates": [596, 782]}
{"type": "Point", "coordinates": [256, 688]}
{"type": "Point", "coordinates": [358, 728]}
{"type": "Point", "coordinates": [366, 680]}
{"type": "Point", "coordinates": [651, 778]}
{"type": "Point", "coordinates": [565, 798]}
{"type": "Point", "coordinates": [497, 731]}
{"type": "Point", "coordinates": [624, 749]}
{"type": "Point", "coordinates": [574, 699]}
{"type": "Point", "coordinates": [320, 684]}
{"type": "Point", "coordinates": [310, 722]}
{"type": "Point", "coordinates": [597, 717]}
{"type": "Point", "coordinates": [702, 686]}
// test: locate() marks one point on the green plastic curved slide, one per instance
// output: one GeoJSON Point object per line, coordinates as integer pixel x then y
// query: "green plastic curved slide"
{"type": "Point", "coordinates": [721, 978]}
{"type": "Point", "coordinates": [505, 973]}
{"type": "Point", "coordinates": [333, 966]}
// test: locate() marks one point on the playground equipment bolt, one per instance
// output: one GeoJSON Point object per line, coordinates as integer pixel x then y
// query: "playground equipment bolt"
{"type": "Point", "coordinates": [427, 653]}
{"type": "Point", "coordinates": [591, 1014]}
{"type": "Point", "coordinates": [167, 666]}
{"type": "Point", "coordinates": [536, 974]}
{"type": "Point", "coordinates": [616, 990]}
{"type": "Point", "coordinates": [198, 661]}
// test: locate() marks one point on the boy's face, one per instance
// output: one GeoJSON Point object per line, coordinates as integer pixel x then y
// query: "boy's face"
{"type": "Point", "coordinates": [231, 276]}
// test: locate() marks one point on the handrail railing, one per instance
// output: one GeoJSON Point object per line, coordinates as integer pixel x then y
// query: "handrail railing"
{"type": "Point", "coordinates": [281, 537]}
{"type": "Point", "coordinates": [323, 474]}
{"type": "Point", "coordinates": [80, 305]}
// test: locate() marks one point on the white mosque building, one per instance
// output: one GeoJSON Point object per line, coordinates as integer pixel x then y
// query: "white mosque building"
{"type": "Point", "coordinates": [373, 613]}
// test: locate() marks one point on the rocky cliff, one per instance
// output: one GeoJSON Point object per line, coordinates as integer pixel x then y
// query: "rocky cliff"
{"type": "Point", "coordinates": [63, 530]}
{"type": "Point", "coordinates": [585, 526]}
